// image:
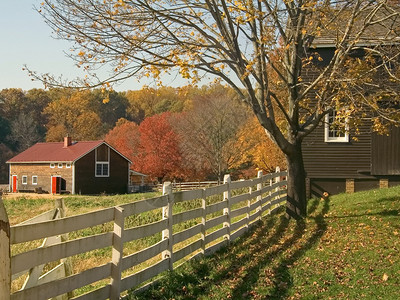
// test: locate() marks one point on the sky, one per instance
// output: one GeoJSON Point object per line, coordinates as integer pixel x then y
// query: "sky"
{"type": "Point", "coordinates": [27, 40]}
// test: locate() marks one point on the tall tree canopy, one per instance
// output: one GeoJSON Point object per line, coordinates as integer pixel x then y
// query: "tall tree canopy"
{"type": "Point", "coordinates": [208, 131]}
{"type": "Point", "coordinates": [246, 44]}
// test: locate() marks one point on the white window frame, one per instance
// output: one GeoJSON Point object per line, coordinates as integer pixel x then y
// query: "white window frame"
{"type": "Point", "coordinates": [33, 182]}
{"type": "Point", "coordinates": [102, 163]}
{"type": "Point", "coordinates": [102, 170]}
{"type": "Point", "coordinates": [343, 138]}
{"type": "Point", "coordinates": [67, 165]}
{"type": "Point", "coordinates": [60, 165]}
{"type": "Point", "coordinates": [52, 165]}
{"type": "Point", "coordinates": [24, 179]}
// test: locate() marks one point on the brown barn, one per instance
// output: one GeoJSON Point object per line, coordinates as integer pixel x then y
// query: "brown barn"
{"type": "Point", "coordinates": [86, 167]}
{"type": "Point", "coordinates": [336, 163]}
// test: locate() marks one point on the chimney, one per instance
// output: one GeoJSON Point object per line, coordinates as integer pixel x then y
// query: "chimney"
{"type": "Point", "coordinates": [67, 141]}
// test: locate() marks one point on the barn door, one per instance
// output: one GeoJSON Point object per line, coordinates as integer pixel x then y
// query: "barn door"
{"type": "Point", "coordinates": [55, 184]}
{"type": "Point", "coordinates": [14, 183]}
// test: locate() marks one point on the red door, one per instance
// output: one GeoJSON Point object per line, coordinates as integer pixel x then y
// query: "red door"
{"type": "Point", "coordinates": [14, 183]}
{"type": "Point", "coordinates": [55, 184]}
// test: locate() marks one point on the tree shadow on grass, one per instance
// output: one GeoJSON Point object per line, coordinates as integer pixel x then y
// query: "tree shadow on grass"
{"type": "Point", "coordinates": [267, 250]}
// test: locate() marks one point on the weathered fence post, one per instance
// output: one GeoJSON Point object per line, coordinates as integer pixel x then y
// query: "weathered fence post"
{"type": "Point", "coordinates": [5, 255]}
{"type": "Point", "coordinates": [259, 198]}
{"type": "Point", "coordinates": [248, 208]}
{"type": "Point", "coordinates": [117, 253]}
{"type": "Point", "coordinates": [167, 214]}
{"type": "Point", "coordinates": [203, 222]}
{"type": "Point", "coordinates": [277, 180]}
{"type": "Point", "coordinates": [227, 210]}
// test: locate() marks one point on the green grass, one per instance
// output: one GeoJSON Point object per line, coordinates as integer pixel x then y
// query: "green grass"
{"type": "Point", "coordinates": [23, 208]}
{"type": "Point", "coordinates": [347, 248]}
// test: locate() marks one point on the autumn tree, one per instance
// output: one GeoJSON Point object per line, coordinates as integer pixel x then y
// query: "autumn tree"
{"type": "Point", "coordinates": [159, 154]}
{"type": "Point", "coordinates": [23, 112]}
{"type": "Point", "coordinates": [208, 131]}
{"type": "Point", "coordinates": [261, 153]}
{"type": "Point", "coordinates": [233, 41]}
{"type": "Point", "coordinates": [73, 115]}
{"type": "Point", "coordinates": [110, 106]}
{"type": "Point", "coordinates": [125, 137]}
{"type": "Point", "coordinates": [151, 101]}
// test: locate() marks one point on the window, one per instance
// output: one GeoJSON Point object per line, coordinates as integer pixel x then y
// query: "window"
{"type": "Point", "coordinates": [60, 165]}
{"type": "Point", "coordinates": [335, 132]}
{"type": "Point", "coordinates": [68, 166]}
{"type": "Point", "coordinates": [52, 165]}
{"type": "Point", "coordinates": [102, 169]}
{"type": "Point", "coordinates": [34, 180]}
{"type": "Point", "coordinates": [24, 179]}
{"type": "Point", "coordinates": [102, 157]}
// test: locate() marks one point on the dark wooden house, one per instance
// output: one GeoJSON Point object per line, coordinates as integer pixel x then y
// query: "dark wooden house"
{"type": "Point", "coordinates": [86, 167]}
{"type": "Point", "coordinates": [336, 163]}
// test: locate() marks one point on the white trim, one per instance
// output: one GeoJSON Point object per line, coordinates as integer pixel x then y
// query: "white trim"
{"type": "Point", "coordinates": [35, 176]}
{"type": "Point", "coordinates": [10, 176]}
{"type": "Point", "coordinates": [335, 139]}
{"type": "Point", "coordinates": [76, 159]}
{"type": "Point", "coordinates": [60, 165]}
{"type": "Point", "coordinates": [12, 183]}
{"type": "Point", "coordinates": [52, 165]}
{"type": "Point", "coordinates": [73, 179]}
{"type": "Point", "coordinates": [51, 183]}
{"type": "Point", "coordinates": [102, 163]}
{"type": "Point", "coordinates": [26, 179]}
{"type": "Point", "coordinates": [68, 165]}
{"type": "Point", "coordinates": [99, 146]}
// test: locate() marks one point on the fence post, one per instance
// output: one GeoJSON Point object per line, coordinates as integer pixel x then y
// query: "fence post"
{"type": "Point", "coordinates": [203, 222]}
{"type": "Point", "coordinates": [277, 180]}
{"type": "Point", "coordinates": [167, 214]}
{"type": "Point", "coordinates": [227, 210]}
{"type": "Point", "coordinates": [117, 253]}
{"type": "Point", "coordinates": [60, 205]}
{"type": "Point", "coordinates": [5, 255]}
{"type": "Point", "coordinates": [259, 198]}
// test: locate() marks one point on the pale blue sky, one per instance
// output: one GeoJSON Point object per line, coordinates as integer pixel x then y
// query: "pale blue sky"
{"type": "Point", "coordinates": [26, 39]}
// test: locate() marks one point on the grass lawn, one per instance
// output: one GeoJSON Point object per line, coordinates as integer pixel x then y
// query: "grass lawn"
{"type": "Point", "coordinates": [347, 248]}
{"type": "Point", "coordinates": [23, 208]}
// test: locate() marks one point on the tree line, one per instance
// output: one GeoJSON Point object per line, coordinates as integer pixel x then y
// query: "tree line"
{"type": "Point", "coordinates": [186, 133]}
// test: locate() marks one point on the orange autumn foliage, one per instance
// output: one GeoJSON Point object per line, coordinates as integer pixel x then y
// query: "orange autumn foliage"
{"type": "Point", "coordinates": [261, 152]}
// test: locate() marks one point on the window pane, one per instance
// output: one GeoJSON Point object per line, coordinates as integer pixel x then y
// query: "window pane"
{"type": "Point", "coordinates": [98, 169]}
{"type": "Point", "coordinates": [105, 169]}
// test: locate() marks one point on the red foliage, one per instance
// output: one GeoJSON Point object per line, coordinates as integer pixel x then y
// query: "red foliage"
{"type": "Point", "coordinates": [159, 154]}
{"type": "Point", "coordinates": [125, 138]}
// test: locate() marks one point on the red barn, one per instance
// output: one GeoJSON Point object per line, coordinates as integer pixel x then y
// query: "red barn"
{"type": "Point", "coordinates": [86, 167]}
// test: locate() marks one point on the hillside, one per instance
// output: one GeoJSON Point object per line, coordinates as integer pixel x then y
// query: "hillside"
{"type": "Point", "coordinates": [348, 248]}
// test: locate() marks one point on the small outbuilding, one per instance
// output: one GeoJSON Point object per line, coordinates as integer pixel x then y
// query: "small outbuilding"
{"type": "Point", "coordinates": [84, 167]}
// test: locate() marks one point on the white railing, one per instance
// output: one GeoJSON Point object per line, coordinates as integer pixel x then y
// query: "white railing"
{"type": "Point", "coordinates": [192, 223]}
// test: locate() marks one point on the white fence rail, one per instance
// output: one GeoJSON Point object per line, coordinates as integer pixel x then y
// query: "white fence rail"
{"type": "Point", "coordinates": [190, 223]}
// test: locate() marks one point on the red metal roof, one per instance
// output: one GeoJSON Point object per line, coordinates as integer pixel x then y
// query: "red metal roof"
{"type": "Point", "coordinates": [55, 152]}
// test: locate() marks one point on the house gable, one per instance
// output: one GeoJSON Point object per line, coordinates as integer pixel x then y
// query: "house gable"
{"type": "Point", "coordinates": [82, 167]}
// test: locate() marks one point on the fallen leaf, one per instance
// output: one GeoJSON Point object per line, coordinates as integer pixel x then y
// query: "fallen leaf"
{"type": "Point", "coordinates": [385, 277]}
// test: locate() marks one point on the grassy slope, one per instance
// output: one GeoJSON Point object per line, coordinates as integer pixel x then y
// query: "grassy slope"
{"type": "Point", "coordinates": [348, 248]}
{"type": "Point", "coordinates": [21, 209]}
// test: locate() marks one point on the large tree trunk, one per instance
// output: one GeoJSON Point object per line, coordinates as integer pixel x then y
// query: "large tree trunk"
{"type": "Point", "coordinates": [296, 206]}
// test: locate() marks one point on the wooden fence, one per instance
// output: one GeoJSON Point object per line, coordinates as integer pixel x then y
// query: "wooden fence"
{"type": "Point", "coordinates": [188, 186]}
{"type": "Point", "coordinates": [191, 223]}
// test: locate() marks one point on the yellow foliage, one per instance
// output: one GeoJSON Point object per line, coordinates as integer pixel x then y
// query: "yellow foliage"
{"type": "Point", "coordinates": [262, 152]}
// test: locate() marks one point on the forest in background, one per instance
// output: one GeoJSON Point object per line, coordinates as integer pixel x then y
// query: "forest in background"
{"type": "Point", "coordinates": [181, 134]}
